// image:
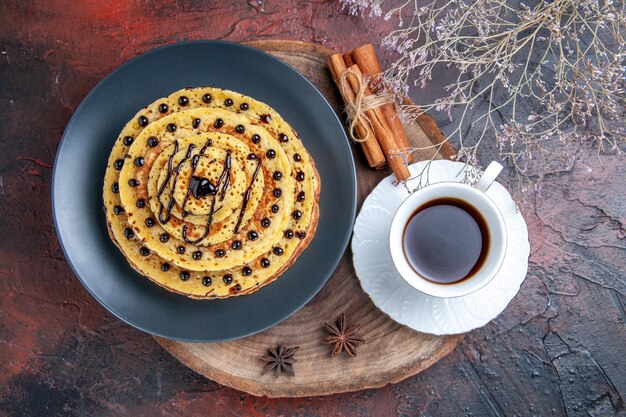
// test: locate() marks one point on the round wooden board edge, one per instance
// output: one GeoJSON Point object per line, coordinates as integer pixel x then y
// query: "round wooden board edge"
{"type": "Point", "coordinates": [287, 46]}
{"type": "Point", "coordinates": [252, 386]}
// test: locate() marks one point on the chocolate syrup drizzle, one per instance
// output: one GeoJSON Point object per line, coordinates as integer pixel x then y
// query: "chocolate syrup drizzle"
{"type": "Point", "coordinates": [247, 195]}
{"type": "Point", "coordinates": [170, 163]}
{"type": "Point", "coordinates": [194, 164]}
{"type": "Point", "coordinates": [226, 173]}
{"type": "Point", "coordinates": [176, 171]}
{"type": "Point", "coordinates": [223, 182]}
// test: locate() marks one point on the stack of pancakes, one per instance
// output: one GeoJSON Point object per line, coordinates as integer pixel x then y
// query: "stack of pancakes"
{"type": "Point", "coordinates": [210, 193]}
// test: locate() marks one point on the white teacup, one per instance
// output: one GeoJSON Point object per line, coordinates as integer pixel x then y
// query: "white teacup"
{"type": "Point", "coordinates": [473, 196]}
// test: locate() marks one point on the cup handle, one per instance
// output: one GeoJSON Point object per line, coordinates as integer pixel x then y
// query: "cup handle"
{"type": "Point", "coordinates": [489, 176]}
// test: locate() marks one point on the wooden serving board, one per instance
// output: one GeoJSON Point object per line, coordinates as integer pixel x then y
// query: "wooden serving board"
{"type": "Point", "coordinates": [391, 353]}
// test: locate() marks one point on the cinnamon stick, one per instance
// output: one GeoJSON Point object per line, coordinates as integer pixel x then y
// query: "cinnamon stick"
{"type": "Point", "coordinates": [365, 57]}
{"type": "Point", "coordinates": [372, 150]}
{"type": "Point", "coordinates": [348, 59]}
{"type": "Point", "coordinates": [382, 130]}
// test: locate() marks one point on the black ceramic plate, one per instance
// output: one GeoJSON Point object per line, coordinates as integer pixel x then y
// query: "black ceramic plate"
{"type": "Point", "coordinates": [79, 173]}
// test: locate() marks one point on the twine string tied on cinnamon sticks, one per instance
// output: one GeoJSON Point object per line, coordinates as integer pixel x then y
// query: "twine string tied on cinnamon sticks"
{"type": "Point", "coordinates": [357, 105]}
{"type": "Point", "coordinates": [377, 122]}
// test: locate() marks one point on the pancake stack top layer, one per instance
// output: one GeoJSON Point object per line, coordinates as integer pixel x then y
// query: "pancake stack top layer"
{"type": "Point", "coordinates": [210, 193]}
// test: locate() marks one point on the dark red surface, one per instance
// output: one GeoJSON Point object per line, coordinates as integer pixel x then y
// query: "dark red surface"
{"type": "Point", "coordinates": [558, 349]}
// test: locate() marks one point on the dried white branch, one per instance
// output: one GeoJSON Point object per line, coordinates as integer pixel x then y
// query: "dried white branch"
{"type": "Point", "coordinates": [561, 65]}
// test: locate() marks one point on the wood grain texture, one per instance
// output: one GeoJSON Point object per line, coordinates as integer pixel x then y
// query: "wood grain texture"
{"type": "Point", "coordinates": [391, 353]}
{"type": "Point", "coordinates": [558, 349]}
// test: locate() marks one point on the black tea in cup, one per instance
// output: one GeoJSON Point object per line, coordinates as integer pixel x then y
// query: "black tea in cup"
{"type": "Point", "coordinates": [446, 240]}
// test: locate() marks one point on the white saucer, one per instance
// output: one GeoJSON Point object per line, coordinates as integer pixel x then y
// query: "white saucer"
{"type": "Point", "coordinates": [405, 304]}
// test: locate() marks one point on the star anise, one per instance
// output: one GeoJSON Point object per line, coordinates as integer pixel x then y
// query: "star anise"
{"type": "Point", "coordinates": [280, 360]}
{"type": "Point", "coordinates": [343, 337]}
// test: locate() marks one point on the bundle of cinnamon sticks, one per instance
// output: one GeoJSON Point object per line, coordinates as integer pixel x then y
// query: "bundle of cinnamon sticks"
{"type": "Point", "coordinates": [380, 129]}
